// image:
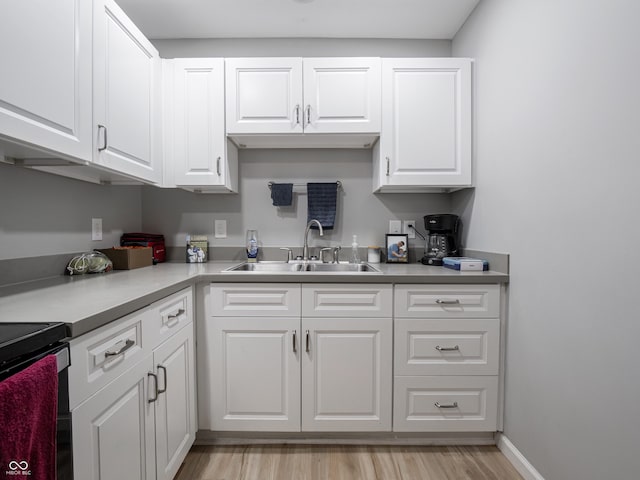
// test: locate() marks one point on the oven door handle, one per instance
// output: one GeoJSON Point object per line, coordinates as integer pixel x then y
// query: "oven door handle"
{"type": "Point", "coordinates": [62, 358]}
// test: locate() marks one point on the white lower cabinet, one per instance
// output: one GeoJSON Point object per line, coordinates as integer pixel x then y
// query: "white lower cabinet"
{"type": "Point", "coordinates": [175, 415]}
{"type": "Point", "coordinates": [114, 430]}
{"type": "Point", "coordinates": [290, 373]}
{"type": "Point", "coordinates": [133, 394]}
{"type": "Point", "coordinates": [346, 374]}
{"type": "Point", "coordinates": [446, 358]}
{"type": "Point", "coordinates": [255, 372]}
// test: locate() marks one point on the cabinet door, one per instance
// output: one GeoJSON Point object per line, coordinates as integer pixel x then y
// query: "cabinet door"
{"type": "Point", "coordinates": [199, 155]}
{"type": "Point", "coordinates": [45, 66]}
{"type": "Point", "coordinates": [341, 95]}
{"type": "Point", "coordinates": [264, 95]}
{"type": "Point", "coordinates": [176, 406]}
{"type": "Point", "coordinates": [113, 431]}
{"type": "Point", "coordinates": [126, 73]}
{"type": "Point", "coordinates": [255, 371]}
{"type": "Point", "coordinates": [426, 123]}
{"type": "Point", "coordinates": [347, 374]}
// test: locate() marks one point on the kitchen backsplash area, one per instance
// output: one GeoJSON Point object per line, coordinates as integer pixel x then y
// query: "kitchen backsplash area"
{"type": "Point", "coordinates": [177, 213]}
{"type": "Point", "coordinates": [51, 216]}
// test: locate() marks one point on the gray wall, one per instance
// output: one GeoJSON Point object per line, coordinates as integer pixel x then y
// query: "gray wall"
{"type": "Point", "coordinates": [44, 214]}
{"type": "Point", "coordinates": [302, 47]}
{"type": "Point", "coordinates": [556, 124]}
{"type": "Point", "coordinates": [176, 213]}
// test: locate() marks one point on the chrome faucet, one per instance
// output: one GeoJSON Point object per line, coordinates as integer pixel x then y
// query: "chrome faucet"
{"type": "Point", "coordinates": [305, 248]}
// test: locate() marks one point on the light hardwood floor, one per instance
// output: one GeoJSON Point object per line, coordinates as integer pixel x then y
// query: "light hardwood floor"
{"type": "Point", "coordinates": [321, 462]}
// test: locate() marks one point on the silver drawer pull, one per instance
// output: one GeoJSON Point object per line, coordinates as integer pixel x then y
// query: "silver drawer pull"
{"type": "Point", "coordinates": [451, 405]}
{"type": "Point", "coordinates": [177, 314]}
{"type": "Point", "coordinates": [127, 345]}
{"type": "Point", "coordinates": [164, 370]}
{"type": "Point", "coordinates": [448, 302]}
{"type": "Point", "coordinates": [308, 348]}
{"type": "Point", "coordinates": [155, 387]}
{"type": "Point", "coordinates": [447, 349]}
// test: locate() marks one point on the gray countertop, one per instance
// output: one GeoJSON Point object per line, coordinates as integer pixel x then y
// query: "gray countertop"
{"type": "Point", "coordinates": [87, 302]}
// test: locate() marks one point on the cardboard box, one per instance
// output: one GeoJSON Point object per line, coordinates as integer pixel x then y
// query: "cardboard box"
{"type": "Point", "coordinates": [128, 258]}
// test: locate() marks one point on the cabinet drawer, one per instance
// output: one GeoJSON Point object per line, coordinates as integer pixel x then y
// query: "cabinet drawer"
{"type": "Point", "coordinates": [446, 347]}
{"type": "Point", "coordinates": [168, 316]}
{"type": "Point", "coordinates": [259, 299]}
{"type": "Point", "coordinates": [447, 301]}
{"type": "Point", "coordinates": [347, 300]}
{"type": "Point", "coordinates": [101, 356]}
{"type": "Point", "coordinates": [445, 404]}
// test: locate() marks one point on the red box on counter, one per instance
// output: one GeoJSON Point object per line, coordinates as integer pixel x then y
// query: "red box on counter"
{"type": "Point", "coordinates": [153, 240]}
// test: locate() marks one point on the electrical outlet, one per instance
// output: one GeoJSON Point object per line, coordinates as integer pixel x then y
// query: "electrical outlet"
{"type": "Point", "coordinates": [395, 226]}
{"type": "Point", "coordinates": [406, 228]}
{"type": "Point", "coordinates": [220, 227]}
{"type": "Point", "coordinates": [96, 229]}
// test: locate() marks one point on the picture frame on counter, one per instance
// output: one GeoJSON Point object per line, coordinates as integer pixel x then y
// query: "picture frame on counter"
{"type": "Point", "coordinates": [397, 247]}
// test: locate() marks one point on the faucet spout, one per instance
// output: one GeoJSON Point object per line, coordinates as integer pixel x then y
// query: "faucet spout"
{"type": "Point", "coordinates": [305, 248]}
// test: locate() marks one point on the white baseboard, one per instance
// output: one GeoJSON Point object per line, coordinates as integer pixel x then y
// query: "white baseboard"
{"type": "Point", "coordinates": [517, 459]}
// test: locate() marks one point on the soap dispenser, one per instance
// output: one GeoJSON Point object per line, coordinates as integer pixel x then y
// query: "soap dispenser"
{"type": "Point", "coordinates": [355, 256]}
{"type": "Point", "coordinates": [252, 246]}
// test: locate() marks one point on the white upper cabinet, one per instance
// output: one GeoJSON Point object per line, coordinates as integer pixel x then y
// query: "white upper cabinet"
{"type": "Point", "coordinates": [126, 80]}
{"type": "Point", "coordinates": [341, 95]}
{"type": "Point", "coordinates": [264, 95]}
{"type": "Point", "coordinates": [425, 142]}
{"type": "Point", "coordinates": [200, 155]}
{"type": "Point", "coordinates": [45, 66]}
{"type": "Point", "coordinates": [267, 97]}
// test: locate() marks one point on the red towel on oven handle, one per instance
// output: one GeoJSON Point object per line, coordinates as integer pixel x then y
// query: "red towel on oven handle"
{"type": "Point", "coordinates": [28, 414]}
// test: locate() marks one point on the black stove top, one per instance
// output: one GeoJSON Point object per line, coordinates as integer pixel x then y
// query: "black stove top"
{"type": "Point", "coordinates": [20, 339]}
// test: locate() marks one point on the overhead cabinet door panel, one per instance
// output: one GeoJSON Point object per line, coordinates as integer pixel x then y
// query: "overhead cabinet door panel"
{"type": "Point", "coordinates": [45, 65]}
{"type": "Point", "coordinates": [264, 95]}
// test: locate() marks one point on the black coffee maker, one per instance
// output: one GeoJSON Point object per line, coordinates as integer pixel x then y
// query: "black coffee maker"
{"type": "Point", "coordinates": [442, 238]}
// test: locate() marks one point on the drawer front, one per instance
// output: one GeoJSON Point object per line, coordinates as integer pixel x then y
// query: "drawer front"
{"type": "Point", "coordinates": [347, 300]}
{"type": "Point", "coordinates": [168, 316]}
{"type": "Point", "coordinates": [446, 347]}
{"type": "Point", "coordinates": [249, 300]}
{"type": "Point", "coordinates": [447, 301]}
{"type": "Point", "coordinates": [445, 404]}
{"type": "Point", "coordinates": [101, 356]}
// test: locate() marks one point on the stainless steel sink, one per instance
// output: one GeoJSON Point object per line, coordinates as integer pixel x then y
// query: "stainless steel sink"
{"type": "Point", "coordinates": [301, 267]}
{"type": "Point", "coordinates": [266, 267]}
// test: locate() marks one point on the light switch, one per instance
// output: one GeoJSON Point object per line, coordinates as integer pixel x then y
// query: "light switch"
{"type": "Point", "coordinates": [395, 226]}
{"type": "Point", "coordinates": [96, 229]}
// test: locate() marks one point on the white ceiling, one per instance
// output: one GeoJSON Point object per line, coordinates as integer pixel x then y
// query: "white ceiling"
{"type": "Point", "coordinates": [415, 19]}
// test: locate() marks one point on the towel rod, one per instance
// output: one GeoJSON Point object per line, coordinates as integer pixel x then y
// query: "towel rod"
{"type": "Point", "coordinates": [338, 182]}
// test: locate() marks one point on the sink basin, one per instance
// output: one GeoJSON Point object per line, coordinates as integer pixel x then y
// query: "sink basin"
{"type": "Point", "coordinates": [281, 267]}
{"type": "Point", "coordinates": [266, 267]}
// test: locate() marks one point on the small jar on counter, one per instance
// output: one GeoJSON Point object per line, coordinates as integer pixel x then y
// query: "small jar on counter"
{"type": "Point", "coordinates": [373, 254]}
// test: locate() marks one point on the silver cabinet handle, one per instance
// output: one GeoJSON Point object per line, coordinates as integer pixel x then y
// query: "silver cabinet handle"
{"type": "Point", "coordinates": [164, 371]}
{"type": "Point", "coordinates": [127, 345]}
{"type": "Point", "coordinates": [447, 349]}
{"type": "Point", "coordinates": [106, 143]}
{"type": "Point", "coordinates": [155, 378]}
{"type": "Point", "coordinates": [174, 319]}
{"type": "Point", "coordinates": [388, 165]}
{"type": "Point", "coordinates": [294, 342]}
{"type": "Point", "coordinates": [451, 405]}
{"type": "Point", "coordinates": [308, 346]}
{"type": "Point", "coordinates": [448, 302]}
{"type": "Point", "coordinates": [298, 114]}
{"type": "Point", "coordinates": [308, 114]}
{"type": "Point", "coordinates": [218, 166]}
